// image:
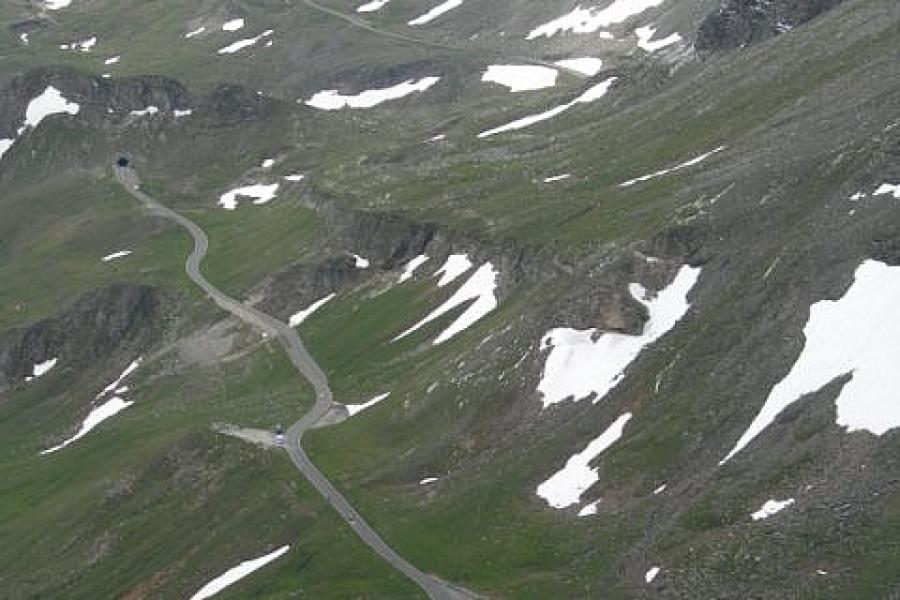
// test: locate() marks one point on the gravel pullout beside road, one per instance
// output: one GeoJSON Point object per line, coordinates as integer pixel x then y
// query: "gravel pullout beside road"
{"type": "Point", "coordinates": [307, 366]}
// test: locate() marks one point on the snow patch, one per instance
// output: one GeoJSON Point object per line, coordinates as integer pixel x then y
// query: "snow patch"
{"type": "Point", "coordinates": [436, 12]}
{"type": "Point", "coordinates": [480, 288]}
{"type": "Point", "coordinates": [5, 145]}
{"type": "Point", "coordinates": [771, 507]}
{"type": "Point", "coordinates": [233, 25]}
{"type": "Point", "coordinates": [112, 387]}
{"type": "Point", "coordinates": [115, 255]}
{"type": "Point", "coordinates": [372, 6]}
{"type": "Point", "coordinates": [295, 177]}
{"type": "Point", "coordinates": [578, 365]}
{"type": "Point", "coordinates": [359, 262]}
{"type": "Point", "coordinates": [103, 412]}
{"type": "Point", "coordinates": [586, 66]}
{"type": "Point", "coordinates": [244, 43]}
{"type": "Point", "coordinates": [593, 93]}
{"type": "Point", "coordinates": [82, 46]}
{"type": "Point", "coordinates": [260, 193]}
{"type": "Point", "coordinates": [194, 32]}
{"type": "Point", "coordinates": [304, 314]}
{"type": "Point", "coordinates": [888, 188]}
{"type": "Point", "coordinates": [589, 510]}
{"type": "Point", "coordinates": [428, 480]}
{"type": "Point", "coordinates": [565, 487]}
{"type": "Point", "coordinates": [651, 574]}
{"type": "Point", "coordinates": [182, 113]}
{"type": "Point", "coordinates": [333, 100]}
{"type": "Point", "coordinates": [354, 409]}
{"type": "Point", "coordinates": [267, 163]}
{"type": "Point", "coordinates": [237, 573]}
{"type": "Point", "coordinates": [859, 335]}
{"type": "Point", "coordinates": [40, 369]}
{"type": "Point", "coordinates": [688, 163]}
{"type": "Point", "coordinates": [645, 39]}
{"type": "Point", "coordinates": [49, 102]}
{"type": "Point", "coordinates": [521, 78]}
{"type": "Point", "coordinates": [112, 60]}
{"type": "Point", "coordinates": [410, 268]}
{"type": "Point", "coordinates": [453, 267]}
{"type": "Point", "coordinates": [659, 490]}
{"type": "Point", "coordinates": [556, 178]}
{"type": "Point", "coordinates": [56, 4]}
{"type": "Point", "coordinates": [149, 111]}
{"type": "Point", "coordinates": [589, 20]}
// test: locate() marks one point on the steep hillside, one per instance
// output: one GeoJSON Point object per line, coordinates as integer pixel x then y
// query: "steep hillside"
{"type": "Point", "coordinates": [606, 295]}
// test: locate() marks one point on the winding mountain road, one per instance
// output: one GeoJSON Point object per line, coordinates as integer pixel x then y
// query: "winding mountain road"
{"type": "Point", "coordinates": [307, 366]}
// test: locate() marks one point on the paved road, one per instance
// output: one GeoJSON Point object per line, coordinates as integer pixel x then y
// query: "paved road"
{"type": "Point", "coordinates": [307, 366]}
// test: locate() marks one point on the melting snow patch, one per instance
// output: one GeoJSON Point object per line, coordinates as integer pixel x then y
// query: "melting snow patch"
{"type": "Point", "coordinates": [556, 178]}
{"type": "Point", "coordinates": [182, 113]}
{"type": "Point", "coordinates": [233, 25]}
{"type": "Point", "coordinates": [41, 369]}
{"type": "Point", "coordinates": [245, 43]}
{"type": "Point", "coordinates": [660, 489]}
{"type": "Point", "coordinates": [149, 111]}
{"type": "Point", "coordinates": [771, 507]}
{"type": "Point", "coordinates": [24, 38]}
{"type": "Point", "coordinates": [857, 197]}
{"type": "Point", "coordinates": [50, 102]}
{"type": "Point", "coordinates": [194, 32]}
{"type": "Point", "coordinates": [236, 574]}
{"type": "Point", "coordinates": [371, 6]}
{"type": "Point", "coordinates": [651, 574]}
{"type": "Point", "coordinates": [521, 78]}
{"type": "Point", "coordinates": [333, 100]}
{"type": "Point", "coordinates": [260, 194]}
{"type": "Point", "coordinates": [410, 268]}
{"type": "Point", "coordinates": [5, 145]}
{"type": "Point", "coordinates": [859, 335]}
{"type": "Point", "coordinates": [586, 66]}
{"type": "Point", "coordinates": [436, 12]}
{"type": "Point", "coordinates": [354, 409]}
{"type": "Point", "coordinates": [578, 365]}
{"type": "Point", "coordinates": [593, 93]}
{"type": "Point", "coordinates": [103, 412]}
{"type": "Point", "coordinates": [887, 188]}
{"type": "Point", "coordinates": [56, 4]}
{"type": "Point", "coordinates": [688, 163]}
{"type": "Point", "coordinates": [304, 314]}
{"type": "Point", "coordinates": [438, 138]}
{"type": "Point", "coordinates": [115, 255]}
{"type": "Point", "coordinates": [295, 177]}
{"type": "Point", "coordinates": [455, 265]}
{"type": "Point", "coordinates": [589, 20]}
{"type": "Point", "coordinates": [112, 60]}
{"type": "Point", "coordinates": [565, 487]}
{"type": "Point", "coordinates": [645, 37]}
{"type": "Point", "coordinates": [267, 163]}
{"type": "Point", "coordinates": [428, 480]}
{"type": "Point", "coordinates": [480, 288]}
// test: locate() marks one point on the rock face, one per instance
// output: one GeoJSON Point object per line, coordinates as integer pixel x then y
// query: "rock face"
{"type": "Point", "coordinates": [739, 23]}
{"type": "Point", "coordinates": [90, 330]}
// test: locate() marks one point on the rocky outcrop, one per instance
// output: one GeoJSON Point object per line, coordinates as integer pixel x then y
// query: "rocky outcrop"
{"type": "Point", "coordinates": [89, 331]}
{"type": "Point", "coordinates": [740, 23]}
